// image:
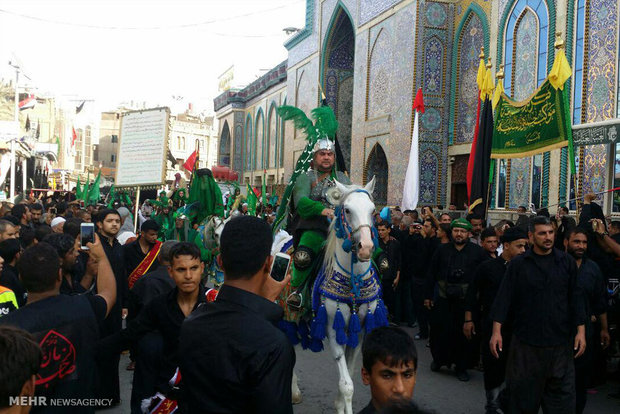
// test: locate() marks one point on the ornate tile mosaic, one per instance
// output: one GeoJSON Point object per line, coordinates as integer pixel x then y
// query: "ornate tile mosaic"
{"type": "Point", "coordinates": [526, 47]}
{"type": "Point", "coordinates": [248, 143]}
{"type": "Point", "coordinates": [594, 168]}
{"type": "Point", "coordinates": [436, 15]}
{"type": "Point", "coordinates": [431, 119]}
{"type": "Point", "coordinates": [258, 141]}
{"type": "Point", "coordinates": [602, 59]}
{"type": "Point", "coordinates": [434, 58]}
{"type": "Point", "coordinates": [238, 122]}
{"type": "Point", "coordinates": [472, 39]}
{"type": "Point", "coordinates": [370, 9]}
{"type": "Point", "coordinates": [272, 139]}
{"type": "Point", "coordinates": [380, 68]}
{"type": "Point", "coordinates": [429, 169]}
{"type": "Point", "coordinates": [519, 187]}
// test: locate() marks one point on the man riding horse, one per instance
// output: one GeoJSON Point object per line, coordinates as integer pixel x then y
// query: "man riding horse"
{"type": "Point", "coordinates": [311, 211]}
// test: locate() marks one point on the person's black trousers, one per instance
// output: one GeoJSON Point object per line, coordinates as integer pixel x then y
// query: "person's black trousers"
{"type": "Point", "coordinates": [421, 313]}
{"type": "Point", "coordinates": [448, 344]}
{"type": "Point", "coordinates": [149, 354]}
{"type": "Point", "coordinates": [389, 296]}
{"type": "Point", "coordinates": [403, 303]}
{"type": "Point", "coordinates": [540, 377]}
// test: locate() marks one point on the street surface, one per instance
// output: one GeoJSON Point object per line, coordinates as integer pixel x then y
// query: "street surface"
{"type": "Point", "coordinates": [442, 392]}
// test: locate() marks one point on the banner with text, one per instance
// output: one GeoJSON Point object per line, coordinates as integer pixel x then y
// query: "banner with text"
{"type": "Point", "coordinates": [530, 127]}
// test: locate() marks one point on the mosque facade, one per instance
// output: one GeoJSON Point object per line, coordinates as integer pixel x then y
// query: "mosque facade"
{"type": "Point", "coordinates": [369, 57]}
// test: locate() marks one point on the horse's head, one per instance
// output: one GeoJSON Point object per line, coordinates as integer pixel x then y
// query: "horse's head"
{"type": "Point", "coordinates": [353, 220]}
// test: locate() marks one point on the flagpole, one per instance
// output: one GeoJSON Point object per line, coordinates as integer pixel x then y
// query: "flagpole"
{"type": "Point", "coordinates": [486, 203]}
{"type": "Point", "coordinates": [135, 221]}
{"type": "Point", "coordinates": [583, 196]}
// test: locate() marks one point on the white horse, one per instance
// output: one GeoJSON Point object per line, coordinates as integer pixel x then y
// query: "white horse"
{"type": "Point", "coordinates": [348, 253]}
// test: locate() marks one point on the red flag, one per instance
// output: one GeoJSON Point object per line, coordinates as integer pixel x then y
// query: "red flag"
{"type": "Point", "coordinates": [191, 161]}
{"type": "Point", "coordinates": [73, 137]}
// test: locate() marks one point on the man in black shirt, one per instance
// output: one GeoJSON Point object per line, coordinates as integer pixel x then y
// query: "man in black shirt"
{"type": "Point", "coordinates": [164, 314]}
{"type": "Point", "coordinates": [449, 273]}
{"type": "Point", "coordinates": [137, 251]}
{"type": "Point", "coordinates": [10, 250]}
{"type": "Point", "coordinates": [108, 224]}
{"type": "Point", "coordinates": [544, 302]}
{"type": "Point", "coordinates": [591, 280]}
{"type": "Point", "coordinates": [66, 327]}
{"type": "Point", "coordinates": [232, 356]}
{"type": "Point", "coordinates": [480, 296]}
{"type": "Point", "coordinates": [389, 282]}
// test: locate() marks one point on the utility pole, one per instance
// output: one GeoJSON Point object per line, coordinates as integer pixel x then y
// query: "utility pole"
{"type": "Point", "coordinates": [12, 187]}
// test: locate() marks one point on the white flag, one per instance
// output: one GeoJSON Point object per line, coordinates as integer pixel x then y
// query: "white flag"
{"type": "Point", "coordinates": [412, 178]}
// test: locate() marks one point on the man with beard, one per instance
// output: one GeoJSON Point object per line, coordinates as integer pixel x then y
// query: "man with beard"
{"type": "Point", "coordinates": [477, 224]}
{"type": "Point", "coordinates": [591, 280]}
{"type": "Point", "coordinates": [449, 273]}
{"type": "Point", "coordinates": [108, 225]}
{"type": "Point", "coordinates": [480, 296]}
{"type": "Point", "coordinates": [541, 296]}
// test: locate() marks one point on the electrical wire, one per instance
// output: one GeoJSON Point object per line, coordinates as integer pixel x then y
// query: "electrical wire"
{"type": "Point", "coordinates": [181, 26]}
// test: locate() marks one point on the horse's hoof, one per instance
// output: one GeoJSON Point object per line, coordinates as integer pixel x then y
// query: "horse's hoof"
{"type": "Point", "coordinates": [297, 398]}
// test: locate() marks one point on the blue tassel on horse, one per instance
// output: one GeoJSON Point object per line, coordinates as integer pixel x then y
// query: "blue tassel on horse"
{"type": "Point", "coordinates": [290, 329]}
{"type": "Point", "coordinates": [381, 318]}
{"type": "Point", "coordinates": [316, 345]}
{"type": "Point", "coordinates": [304, 334]}
{"type": "Point", "coordinates": [369, 322]}
{"type": "Point", "coordinates": [354, 330]}
{"type": "Point", "coordinates": [319, 323]}
{"type": "Point", "coordinates": [341, 335]}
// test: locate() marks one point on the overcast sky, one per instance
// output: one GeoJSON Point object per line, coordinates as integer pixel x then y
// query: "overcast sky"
{"type": "Point", "coordinates": [116, 50]}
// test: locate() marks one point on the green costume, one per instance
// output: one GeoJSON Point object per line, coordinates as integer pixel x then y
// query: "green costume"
{"type": "Point", "coordinates": [166, 223]}
{"type": "Point", "coordinates": [309, 201]}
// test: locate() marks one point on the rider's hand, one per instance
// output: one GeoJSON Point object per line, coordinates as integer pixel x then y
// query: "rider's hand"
{"type": "Point", "coordinates": [328, 212]}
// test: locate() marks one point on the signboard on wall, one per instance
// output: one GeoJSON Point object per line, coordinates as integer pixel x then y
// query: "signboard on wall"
{"type": "Point", "coordinates": [605, 132]}
{"type": "Point", "coordinates": [142, 149]}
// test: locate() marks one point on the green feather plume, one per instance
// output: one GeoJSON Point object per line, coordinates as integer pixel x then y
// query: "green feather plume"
{"type": "Point", "coordinates": [300, 120]}
{"type": "Point", "coordinates": [325, 121]}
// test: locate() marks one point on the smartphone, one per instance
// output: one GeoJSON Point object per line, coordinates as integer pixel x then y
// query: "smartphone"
{"type": "Point", "coordinates": [87, 234]}
{"type": "Point", "coordinates": [280, 265]}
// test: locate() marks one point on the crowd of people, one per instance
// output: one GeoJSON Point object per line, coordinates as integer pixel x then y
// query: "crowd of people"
{"type": "Point", "coordinates": [529, 302]}
{"type": "Point", "coordinates": [525, 302]}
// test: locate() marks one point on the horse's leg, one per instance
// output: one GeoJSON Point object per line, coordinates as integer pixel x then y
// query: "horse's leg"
{"type": "Point", "coordinates": [345, 383]}
{"type": "Point", "coordinates": [296, 392]}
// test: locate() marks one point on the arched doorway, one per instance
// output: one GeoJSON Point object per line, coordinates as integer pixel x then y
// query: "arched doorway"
{"type": "Point", "coordinates": [224, 148]}
{"type": "Point", "coordinates": [377, 166]}
{"type": "Point", "coordinates": [337, 76]}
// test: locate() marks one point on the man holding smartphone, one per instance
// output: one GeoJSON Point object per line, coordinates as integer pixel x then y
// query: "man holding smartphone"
{"type": "Point", "coordinates": [241, 322]}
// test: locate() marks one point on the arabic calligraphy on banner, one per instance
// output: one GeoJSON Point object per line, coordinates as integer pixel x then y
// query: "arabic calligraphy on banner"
{"type": "Point", "coordinates": [530, 127]}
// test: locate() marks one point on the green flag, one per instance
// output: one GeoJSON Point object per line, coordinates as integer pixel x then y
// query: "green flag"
{"type": "Point", "coordinates": [111, 196]}
{"type": "Point", "coordinates": [531, 127]}
{"type": "Point", "coordinates": [57, 148]}
{"type": "Point", "coordinates": [86, 189]}
{"type": "Point", "coordinates": [251, 199]}
{"type": "Point", "coordinates": [94, 195]}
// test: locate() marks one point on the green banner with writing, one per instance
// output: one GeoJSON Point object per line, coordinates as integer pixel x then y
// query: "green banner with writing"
{"type": "Point", "coordinates": [532, 126]}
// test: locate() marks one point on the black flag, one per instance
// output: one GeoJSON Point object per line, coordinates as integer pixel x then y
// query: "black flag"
{"type": "Point", "coordinates": [78, 108]}
{"type": "Point", "coordinates": [340, 164]}
{"type": "Point", "coordinates": [482, 162]}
